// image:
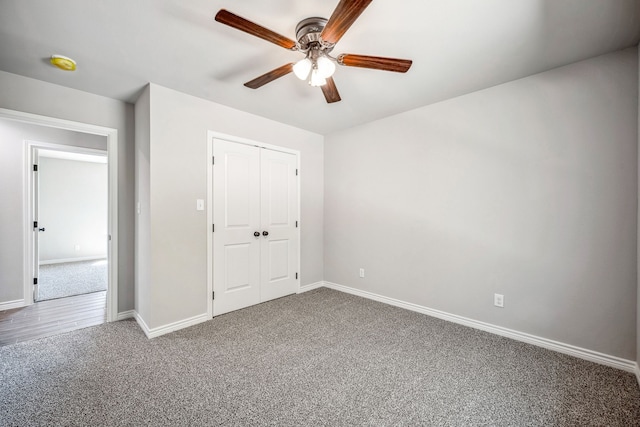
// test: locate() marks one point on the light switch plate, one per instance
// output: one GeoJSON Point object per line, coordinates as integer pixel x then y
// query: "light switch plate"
{"type": "Point", "coordinates": [200, 204]}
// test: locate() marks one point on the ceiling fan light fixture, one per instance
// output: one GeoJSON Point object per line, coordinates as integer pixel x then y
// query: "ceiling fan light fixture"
{"type": "Point", "coordinates": [302, 68]}
{"type": "Point", "coordinates": [326, 67]}
{"type": "Point", "coordinates": [315, 38]}
{"type": "Point", "coordinates": [316, 78]}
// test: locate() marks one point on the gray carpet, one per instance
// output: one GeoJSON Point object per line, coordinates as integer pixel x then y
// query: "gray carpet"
{"type": "Point", "coordinates": [72, 278]}
{"type": "Point", "coordinates": [319, 358]}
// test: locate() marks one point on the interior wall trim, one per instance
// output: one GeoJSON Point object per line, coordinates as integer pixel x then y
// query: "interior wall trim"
{"type": "Point", "coordinates": [310, 287]}
{"type": "Point", "coordinates": [582, 353]}
{"type": "Point", "coordinates": [170, 327]}
{"type": "Point", "coordinates": [638, 373]}
{"type": "Point", "coordinates": [129, 314]}
{"type": "Point", "coordinates": [8, 305]}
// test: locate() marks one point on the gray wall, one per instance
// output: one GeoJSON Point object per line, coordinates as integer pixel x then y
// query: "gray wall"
{"type": "Point", "coordinates": [638, 270]}
{"type": "Point", "coordinates": [38, 97]}
{"type": "Point", "coordinates": [177, 159]}
{"type": "Point", "coordinates": [12, 216]}
{"type": "Point", "coordinates": [73, 208]}
{"type": "Point", "coordinates": [142, 193]}
{"type": "Point", "coordinates": [528, 189]}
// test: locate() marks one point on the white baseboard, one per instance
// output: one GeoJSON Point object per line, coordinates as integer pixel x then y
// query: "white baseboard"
{"type": "Point", "coordinates": [62, 260]}
{"type": "Point", "coordinates": [140, 321]}
{"type": "Point", "coordinates": [310, 287]}
{"type": "Point", "coordinates": [8, 305]}
{"type": "Point", "coordinates": [171, 327]}
{"type": "Point", "coordinates": [130, 314]}
{"type": "Point", "coordinates": [638, 373]}
{"type": "Point", "coordinates": [582, 353]}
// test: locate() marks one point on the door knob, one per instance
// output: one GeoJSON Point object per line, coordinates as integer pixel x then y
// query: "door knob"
{"type": "Point", "coordinates": [41, 229]}
{"type": "Point", "coordinates": [265, 233]}
{"type": "Point", "coordinates": [256, 234]}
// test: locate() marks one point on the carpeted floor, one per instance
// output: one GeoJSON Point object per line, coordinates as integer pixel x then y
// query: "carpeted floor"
{"type": "Point", "coordinates": [72, 278]}
{"type": "Point", "coordinates": [318, 358]}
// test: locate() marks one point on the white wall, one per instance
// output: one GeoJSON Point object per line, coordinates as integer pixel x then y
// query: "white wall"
{"type": "Point", "coordinates": [38, 97]}
{"type": "Point", "coordinates": [177, 281]}
{"type": "Point", "coordinates": [12, 173]}
{"type": "Point", "coordinates": [528, 189]}
{"type": "Point", "coordinates": [142, 197]}
{"type": "Point", "coordinates": [73, 209]}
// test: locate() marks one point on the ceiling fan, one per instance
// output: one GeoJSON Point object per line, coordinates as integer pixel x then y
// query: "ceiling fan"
{"type": "Point", "coordinates": [316, 38]}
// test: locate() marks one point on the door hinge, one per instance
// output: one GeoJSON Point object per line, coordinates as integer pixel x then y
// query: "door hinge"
{"type": "Point", "coordinates": [296, 172]}
{"type": "Point", "coordinates": [296, 224]}
{"type": "Point", "coordinates": [213, 160]}
{"type": "Point", "coordinates": [213, 295]}
{"type": "Point", "coordinates": [213, 228]}
{"type": "Point", "coordinates": [35, 168]}
{"type": "Point", "coordinates": [35, 280]}
{"type": "Point", "coordinates": [35, 224]}
{"type": "Point", "coordinates": [296, 276]}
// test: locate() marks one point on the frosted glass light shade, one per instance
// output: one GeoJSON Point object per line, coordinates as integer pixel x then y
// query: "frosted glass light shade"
{"type": "Point", "coordinates": [317, 79]}
{"type": "Point", "coordinates": [326, 67]}
{"type": "Point", "coordinates": [302, 68]}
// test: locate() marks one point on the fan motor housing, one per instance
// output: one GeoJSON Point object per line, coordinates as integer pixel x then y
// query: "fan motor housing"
{"type": "Point", "coordinates": [308, 31]}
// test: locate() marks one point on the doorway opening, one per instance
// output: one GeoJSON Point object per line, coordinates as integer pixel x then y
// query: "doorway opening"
{"type": "Point", "coordinates": [22, 300]}
{"type": "Point", "coordinates": [70, 202]}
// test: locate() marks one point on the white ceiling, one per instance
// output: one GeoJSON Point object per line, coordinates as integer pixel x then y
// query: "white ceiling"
{"type": "Point", "coordinates": [458, 46]}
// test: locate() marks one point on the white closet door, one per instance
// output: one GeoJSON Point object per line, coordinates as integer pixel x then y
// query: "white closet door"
{"type": "Point", "coordinates": [236, 213]}
{"type": "Point", "coordinates": [279, 248]}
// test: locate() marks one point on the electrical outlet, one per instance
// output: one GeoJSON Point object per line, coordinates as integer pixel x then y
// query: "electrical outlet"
{"type": "Point", "coordinates": [77, 247]}
{"type": "Point", "coordinates": [498, 300]}
{"type": "Point", "coordinates": [362, 272]}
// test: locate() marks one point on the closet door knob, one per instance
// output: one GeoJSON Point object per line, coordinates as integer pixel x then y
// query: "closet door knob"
{"type": "Point", "coordinates": [256, 234]}
{"type": "Point", "coordinates": [265, 233]}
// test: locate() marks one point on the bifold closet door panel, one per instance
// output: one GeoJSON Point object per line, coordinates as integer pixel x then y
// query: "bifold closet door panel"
{"type": "Point", "coordinates": [236, 213]}
{"type": "Point", "coordinates": [279, 207]}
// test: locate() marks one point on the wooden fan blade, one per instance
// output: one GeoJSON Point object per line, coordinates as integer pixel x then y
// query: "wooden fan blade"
{"type": "Point", "coordinates": [239, 23]}
{"type": "Point", "coordinates": [270, 76]}
{"type": "Point", "coordinates": [330, 91]}
{"type": "Point", "coordinates": [375, 62]}
{"type": "Point", "coordinates": [342, 18]}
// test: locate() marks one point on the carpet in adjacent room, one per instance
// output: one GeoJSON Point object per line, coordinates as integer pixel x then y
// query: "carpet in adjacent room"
{"type": "Point", "coordinates": [72, 278]}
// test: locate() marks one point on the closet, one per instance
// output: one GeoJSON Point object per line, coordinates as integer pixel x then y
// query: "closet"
{"type": "Point", "coordinates": [255, 220]}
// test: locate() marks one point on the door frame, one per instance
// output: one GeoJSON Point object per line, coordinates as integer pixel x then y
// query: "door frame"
{"type": "Point", "coordinates": [112, 165]}
{"type": "Point", "coordinates": [211, 135]}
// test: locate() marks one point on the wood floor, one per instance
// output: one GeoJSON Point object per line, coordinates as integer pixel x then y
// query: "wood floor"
{"type": "Point", "coordinates": [52, 317]}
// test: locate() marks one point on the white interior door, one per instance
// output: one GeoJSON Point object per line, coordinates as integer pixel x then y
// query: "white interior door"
{"type": "Point", "coordinates": [236, 213]}
{"type": "Point", "coordinates": [255, 242]}
{"type": "Point", "coordinates": [279, 248]}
